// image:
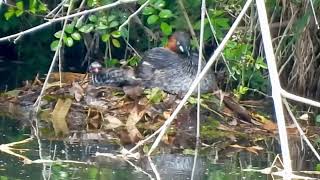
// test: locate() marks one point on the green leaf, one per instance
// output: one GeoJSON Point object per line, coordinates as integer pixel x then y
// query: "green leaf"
{"type": "Point", "coordinates": [92, 3]}
{"type": "Point", "coordinates": [68, 41]}
{"type": "Point", "coordinates": [148, 11]}
{"type": "Point", "coordinates": [19, 5]}
{"type": "Point", "coordinates": [76, 36]}
{"type": "Point", "coordinates": [166, 28]}
{"type": "Point", "coordinates": [10, 12]}
{"type": "Point", "coordinates": [86, 28]}
{"type": "Point", "coordinates": [101, 26]}
{"type": "Point", "coordinates": [116, 34]}
{"type": "Point", "coordinates": [152, 19]}
{"type": "Point", "coordinates": [54, 45]}
{"type": "Point", "coordinates": [116, 43]}
{"type": "Point", "coordinates": [58, 34]}
{"type": "Point", "coordinates": [160, 4]}
{"type": "Point", "coordinates": [79, 23]}
{"type": "Point", "coordinates": [111, 18]}
{"type": "Point", "coordinates": [111, 62]}
{"type": "Point", "coordinates": [114, 24]}
{"type": "Point", "coordinates": [19, 12]}
{"type": "Point", "coordinates": [69, 28]}
{"type": "Point", "coordinates": [165, 13]}
{"type": "Point", "coordinates": [43, 7]}
{"type": "Point", "coordinates": [105, 37]}
{"type": "Point", "coordinates": [32, 6]}
{"type": "Point", "coordinates": [93, 18]}
{"type": "Point", "coordinates": [155, 95]}
{"type": "Point", "coordinates": [221, 22]}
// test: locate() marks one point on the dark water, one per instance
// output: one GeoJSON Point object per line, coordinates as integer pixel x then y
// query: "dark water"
{"type": "Point", "coordinates": [170, 166]}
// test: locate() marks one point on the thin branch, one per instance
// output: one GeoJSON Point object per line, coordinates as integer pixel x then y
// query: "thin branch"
{"type": "Point", "coordinates": [41, 26]}
{"type": "Point", "coordinates": [216, 40]}
{"type": "Point", "coordinates": [291, 96]}
{"type": "Point", "coordinates": [38, 101]}
{"type": "Point", "coordinates": [134, 14]}
{"type": "Point", "coordinates": [215, 55]}
{"type": "Point", "coordinates": [203, 14]}
{"type": "Point", "coordinates": [314, 14]}
{"type": "Point", "coordinates": [185, 14]}
{"type": "Point", "coordinates": [275, 82]}
{"type": "Point", "coordinates": [302, 134]}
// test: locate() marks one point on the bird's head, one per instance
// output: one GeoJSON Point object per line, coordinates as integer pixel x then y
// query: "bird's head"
{"type": "Point", "coordinates": [179, 42]}
{"type": "Point", "coordinates": [95, 67]}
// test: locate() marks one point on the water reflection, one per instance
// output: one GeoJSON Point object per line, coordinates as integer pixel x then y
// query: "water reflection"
{"type": "Point", "coordinates": [169, 166]}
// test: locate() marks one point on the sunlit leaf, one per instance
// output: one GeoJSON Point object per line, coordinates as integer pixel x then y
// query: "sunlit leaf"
{"type": "Point", "coordinates": [105, 37]}
{"type": "Point", "coordinates": [165, 13]}
{"type": "Point", "coordinates": [19, 12]}
{"type": "Point", "coordinates": [69, 28]}
{"type": "Point", "coordinates": [58, 34]}
{"type": "Point", "coordinates": [54, 45]}
{"type": "Point", "coordinates": [101, 26]}
{"type": "Point", "coordinates": [10, 12]}
{"type": "Point", "coordinates": [76, 36]}
{"type": "Point", "coordinates": [166, 28]}
{"type": "Point", "coordinates": [20, 5]}
{"type": "Point", "coordinates": [79, 23]}
{"type": "Point", "coordinates": [152, 19]}
{"type": "Point", "coordinates": [148, 11]}
{"type": "Point", "coordinates": [43, 7]}
{"type": "Point", "coordinates": [68, 41]}
{"type": "Point", "coordinates": [86, 28]}
{"type": "Point", "coordinates": [116, 43]}
{"type": "Point", "coordinates": [116, 34]}
{"type": "Point", "coordinates": [160, 4]}
{"type": "Point", "coordinates": [32, 6]}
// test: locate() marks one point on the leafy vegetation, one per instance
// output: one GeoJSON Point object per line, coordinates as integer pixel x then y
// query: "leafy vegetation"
{"type": "Point", "coordinates": [99, 36]}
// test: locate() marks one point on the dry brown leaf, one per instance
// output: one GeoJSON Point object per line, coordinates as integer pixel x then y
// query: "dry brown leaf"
{"type": "Point", "coordinates": [67, 77]}
{"type": "Point", "coordinates": [270, 126]}
{"type": "Point", "coordinates": [134, 117]}
{"type": "Point", "coordinates": [114, 122]}
{"type": "Point", "coordinates": [166, 114]}
{"type": "Point", "coordinates": [224, 128]}
{"type": "Point", "coordinates": [237, 146]}
{"type": "Point", "coordinates": [77, 91]}
{"type": "Point", "coordinates": [59, 116]}
{"type": "Point", "coordinates": [254, 149]}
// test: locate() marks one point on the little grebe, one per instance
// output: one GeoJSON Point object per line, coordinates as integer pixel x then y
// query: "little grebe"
{"type": "Point", "coordinates": [172, 69]}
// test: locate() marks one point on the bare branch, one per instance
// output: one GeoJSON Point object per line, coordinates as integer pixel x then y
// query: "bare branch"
{"type": "Point", "coordinates": [108, 6]}
{"type": "Point", "coordinates": [134, 14]}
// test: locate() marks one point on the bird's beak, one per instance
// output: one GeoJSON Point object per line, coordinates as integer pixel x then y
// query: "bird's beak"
{"type": "Point", "coordinates": [184, 49]}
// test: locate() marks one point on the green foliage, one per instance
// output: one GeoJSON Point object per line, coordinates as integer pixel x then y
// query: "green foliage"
{"type": "Point", "coordinates": [21, 7]}
{"type": "Point", "coordinates": [161, 18]}
{"type": "Point", "coordinates": [155, 95]}
{"type": "Point", "coordinates": [245, 67]}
